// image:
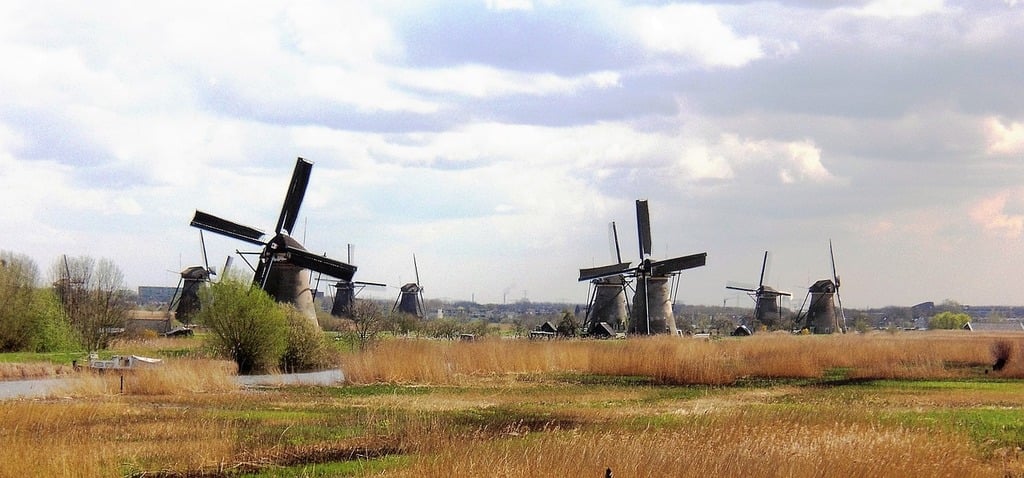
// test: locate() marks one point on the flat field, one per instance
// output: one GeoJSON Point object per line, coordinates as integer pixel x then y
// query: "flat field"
{"type": "Point", "coordinates": [903, 404]}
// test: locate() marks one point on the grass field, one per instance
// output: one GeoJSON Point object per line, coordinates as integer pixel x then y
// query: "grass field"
{"type": "Point", "coordinates": [905, 404]}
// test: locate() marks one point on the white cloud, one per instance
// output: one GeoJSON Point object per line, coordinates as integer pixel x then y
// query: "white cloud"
{"type": "Point", "coordinates": [501, 5]}
{"type": "Point", "coordinates": [341, 33]}
{"type": "Point", "coordinates": [481, 81]}
{"type": "Point", "coordinates": [790, 161]}
{"type": "Point", "coordinates": [902, 8]}
{"type": "Point", "coordinates": [693, 31]}
{"type": "Point", "coordinates": [1004, 137]}
{"type": "Point", "coordinates": [990, 213]}
{"type": "Point", "coordinates": [803, 163]}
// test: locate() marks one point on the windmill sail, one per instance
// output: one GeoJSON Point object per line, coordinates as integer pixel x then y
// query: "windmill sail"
{"type": "Point", "coordinates": [283, 260]}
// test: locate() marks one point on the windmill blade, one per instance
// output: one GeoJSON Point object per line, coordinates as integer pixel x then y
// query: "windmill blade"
{"type": "Point", "coordinates": [764, 266]}
{"type": "Point", "coordinates": [643, 227]}
{"type": "Point", "coordinates": [768, 290]}
{"type": "Point", "coordinates": [293, 199]}
{"type": "Point", "coordinates": [614, 240]}
{"type": "Point", "coordinates": [416, 268]}
{"type": "Point", "coordinates": [369, 284]}
{"type": "Point", "coordinates": [835, 277]}
{"type": "Point", "coordinates": [227, 265]}
{"type": "Point", "coordinates": [174, 297]}
{"type": "Point", "coordinates": [668, 266]}
{"type": "Point", "coordinates": [318, 263]}
{"type": "Point", "coordinates": [224, 227]}
{"type": "Point", "coordinates": [263, 270]}
{"type": "Point", "coordinates": [206, 262]}
{"type": "Point", "coordinates": [603, 271]}
{"type": "Point", "coordinates": [740, 286]}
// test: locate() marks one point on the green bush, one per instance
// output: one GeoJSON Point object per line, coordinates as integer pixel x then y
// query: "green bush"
{"type": "Point", "coordinates": [245, 324]}
{"type": "Point", "coordinates": [948, 320]}
{"type": "Point", "coordinates": [306, 349]}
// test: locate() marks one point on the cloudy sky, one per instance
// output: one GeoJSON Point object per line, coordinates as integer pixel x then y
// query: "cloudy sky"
{"type": "Point", "coordinates": [497, 139]}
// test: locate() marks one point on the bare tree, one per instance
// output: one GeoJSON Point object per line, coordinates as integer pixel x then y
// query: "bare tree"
{"type": "Point", "coordinates": [94, 299]}
{"type": "Point", "coordinates": [369, 319]}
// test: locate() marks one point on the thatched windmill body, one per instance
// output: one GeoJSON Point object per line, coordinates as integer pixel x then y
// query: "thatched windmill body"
{"type": "Point", "coordinates": [346, 291]}
{"type": "Point", "coordinates": [607, 302]}
{"type": "Point", "coordinates": [185, 300]}
{"type": "Point", "coordinates": [283, 261]}
{"type": "Point", "coordinates": [654, 281]}
{"type": "Point", "coordinates": [410, 296]}
{"type": "Point", "coordinates": [822, 316]}
{"type": "Point", "coordinates": [767, 307]}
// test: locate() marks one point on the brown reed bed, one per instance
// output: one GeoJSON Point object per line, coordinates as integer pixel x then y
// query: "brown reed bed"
{"type": "Point", "coordinates": [172, 377]}
{"type": "Point", "coordinates": [33, 370]}
{"type": "Point", "coordinates": [674, 360]}
{"type": "Point", "coordinates": [733, 443]}
{"type": "Point", "coordinates": [561, 408]}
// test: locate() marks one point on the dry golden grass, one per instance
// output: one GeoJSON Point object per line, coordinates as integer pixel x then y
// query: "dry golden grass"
{"type": "Point", "coordinates": [562, 408]}
{"type": "Point", "coordinates": [105, 438]}
{"type": "Point", "coordinates": [733, 443]}
{"type": "Point", "coordinates": [149, 346]}
{"type": "Point", "coordinates": [32, 370]}
{"type": "Point", "coordinates": [673, 360]}
{"type": "Point", "coordinates": [173, 377]}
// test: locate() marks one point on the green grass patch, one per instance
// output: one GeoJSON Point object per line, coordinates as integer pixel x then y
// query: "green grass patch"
{"type": "Point", "coordinates": [338, 468]}
{"type": "Point", "coordinates": [989, 428]}
{"type": "Point", "coordinates": [62, 358]}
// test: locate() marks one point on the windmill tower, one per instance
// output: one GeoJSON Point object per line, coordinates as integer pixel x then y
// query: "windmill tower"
{"type": "Point", "coordinates": [655, 282]}
{"type": "Point", "coordinates": [767, 309]}
{"type": "Point", "coordinates": [70, 289]}
{"type": "Point", "coordinates": [410, 296]}
{"type": "Point", "coordinates": [607, 294]}
{"type": "Point", "coordinates": [185, 300]}
{"type": "Point", "coordinates": [823, 296]}
{"type": "Point", "coordinates": [283, 259]}
{"type": "Point", "coordinates": [346, 291]}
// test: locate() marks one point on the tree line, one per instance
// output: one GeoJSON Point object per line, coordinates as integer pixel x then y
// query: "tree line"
{"type": "Point", "coordinates": [85, 306]}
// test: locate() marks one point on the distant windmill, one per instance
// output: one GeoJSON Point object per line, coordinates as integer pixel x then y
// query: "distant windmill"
{"type": "Point", "coordinates": [346, 291]}
{"type": "Point", "coordinates": [70, 289]}
{"type": "Point", "coordinates": [410, 297]}
{"type": "Point", "coordinates": [821, 316]}
{"type": "Point", "coordinates": [283, 259]}
{"type": "Point", "coordinates": [652, 298]}
{"type": "Point", "coordinates": [767, 309]}
{"type": "Point", "coordinates": [185, 300]}
{"type": "Point", "coordinates": [607, 296]}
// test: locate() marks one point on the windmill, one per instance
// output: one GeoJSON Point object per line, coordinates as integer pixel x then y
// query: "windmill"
{"type": "Point", "coordinates": [821, 316]}
{"type": "Point", "coordinates": [652, 301]}
{"type": "Point", "coordinates": [767, 309]}
{"type": "Point", "coordinates": [283, 259]}
{"type": "Point", "coordinates": [654, 280]}
{"type": "Point", "coordinates": [607, 293]}
{"type": "Point", "coordinates": [70, 289]}
{"type": "Point", "coordinates": [410, 296]}
{"type": "Point", "coordinates": [185, 300]}
{"type": "Point", "coordinates": [346, 291]}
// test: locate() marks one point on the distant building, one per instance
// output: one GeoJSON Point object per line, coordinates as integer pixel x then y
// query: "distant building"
{"type": "Point", "coordinates": [1001, 326]}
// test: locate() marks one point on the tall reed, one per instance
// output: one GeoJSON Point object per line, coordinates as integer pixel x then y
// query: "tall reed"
{"type": "Point", "coordinates": [674, 360]}
{"type": "Point", "coordinates": [733, 443]}
{"type": "Point", "coordinates": [173, 377]}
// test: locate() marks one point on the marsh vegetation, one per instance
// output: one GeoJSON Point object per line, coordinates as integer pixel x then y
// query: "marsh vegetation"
{"type": "Point", "coordinates": [924, 404]}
